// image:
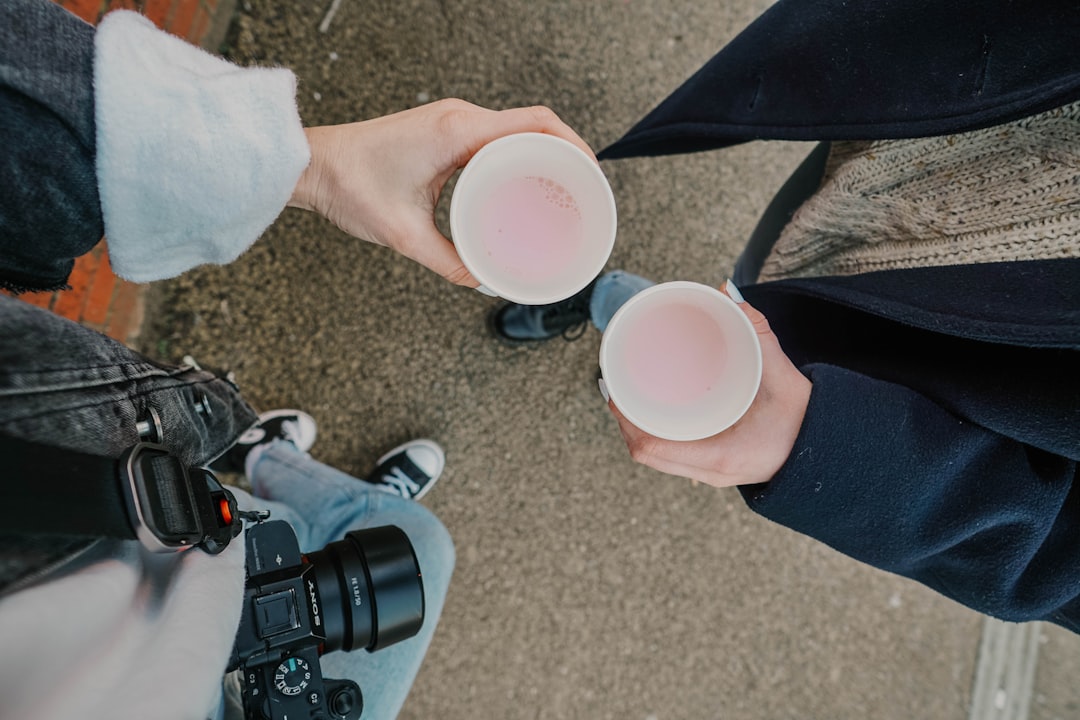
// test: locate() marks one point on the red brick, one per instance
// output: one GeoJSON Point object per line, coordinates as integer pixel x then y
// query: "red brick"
{"type": "Point", "coordinates": [183, 16]}
{"type": "Point", "coordinates": [124, 5]}
{"type": "Point", "coordinates": [40, 299]}
{"type": "Point", "coordinates": [199, 26]}
{"type": "Point", "coordinates": [126, 315]}
{"type": "Point", "coordinates": [70, 303]}
{"type": "Point", "coordinates": [158, 11]}
{"type": "Point", "coordinates": [88, 10]}
{"type": "Point", "coordinates": [100, 294]}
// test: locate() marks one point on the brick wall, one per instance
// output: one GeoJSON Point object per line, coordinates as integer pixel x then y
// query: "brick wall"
{"type": "Point", "coordinates": [193, 20]}
{"type": "Point", "coordinates": [97, 297]}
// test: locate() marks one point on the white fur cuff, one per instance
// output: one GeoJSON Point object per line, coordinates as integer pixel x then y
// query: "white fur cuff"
{"type": "Point", "coordinates": [196, 156]}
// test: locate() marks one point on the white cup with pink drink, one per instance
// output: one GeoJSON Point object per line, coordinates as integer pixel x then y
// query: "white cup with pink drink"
{"type": "Point", "coordinates": [681, 361]}
{"type": "Point", "coordinates": [533, 218]}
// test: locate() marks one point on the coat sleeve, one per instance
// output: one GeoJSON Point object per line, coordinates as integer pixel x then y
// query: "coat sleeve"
{"type": "Point", "coordinates": [884, 475]}
{"type": "Point", "coordinates": [178, 157]}
{"type": "Point", "coordinates": [196, 157]}
{"type": "Point", "coordinates": [49, 207]}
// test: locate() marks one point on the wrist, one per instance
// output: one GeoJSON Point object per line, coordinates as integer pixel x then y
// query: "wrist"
{"type": "Point", "coordinates": [308, 188]}
{"type": "Point", "coordinates": [790, 399]}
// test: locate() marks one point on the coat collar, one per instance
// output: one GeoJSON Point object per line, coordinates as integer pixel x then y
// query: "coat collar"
{"type": "Point", "coordinates": [870, 69]}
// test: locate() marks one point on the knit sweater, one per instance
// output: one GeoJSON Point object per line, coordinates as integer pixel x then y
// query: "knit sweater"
{"type": "Point", "coordinates": [1005, 193]}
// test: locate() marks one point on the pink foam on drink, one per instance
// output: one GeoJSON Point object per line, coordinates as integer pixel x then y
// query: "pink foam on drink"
{"type": "Point", "coordinates": [531, 227]}
{"type": "Point", "coordinates": [675, 354]}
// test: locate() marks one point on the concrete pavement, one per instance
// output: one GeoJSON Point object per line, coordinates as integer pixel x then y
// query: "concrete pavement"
{"type": "Point", "coordinates": [587, 586]}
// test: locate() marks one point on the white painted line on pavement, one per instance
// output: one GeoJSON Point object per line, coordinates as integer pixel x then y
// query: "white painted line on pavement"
{"type": "Point", "coordinates": [1005, 670]}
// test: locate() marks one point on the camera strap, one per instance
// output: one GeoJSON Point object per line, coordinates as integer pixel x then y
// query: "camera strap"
{"type": "Point", "coordinates": [147, 494]}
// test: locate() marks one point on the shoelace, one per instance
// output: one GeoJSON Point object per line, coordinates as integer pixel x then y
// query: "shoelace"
{"type": "Point", "coordinates": [402, 483]}
{"type": "Point", "coordinates": [575, 307]}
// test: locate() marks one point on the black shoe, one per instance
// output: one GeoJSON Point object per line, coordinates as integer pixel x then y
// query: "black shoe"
{"type": "Point", "coordinates": [296, 426]}
{"type": "Point", "coordinates": [523, 324]}
{"type": "Point", "coordinates": [409, 470]}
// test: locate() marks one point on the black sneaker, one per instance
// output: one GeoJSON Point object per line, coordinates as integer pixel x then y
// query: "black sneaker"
{"type": "Point", "coordinates": [516, 324]}
{"type": "Point", "coordinates": [296, 426]}
{"type": "Point", "coordinates": [409, 470]}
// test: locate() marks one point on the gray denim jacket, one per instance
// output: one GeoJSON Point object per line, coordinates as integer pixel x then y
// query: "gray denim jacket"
{"type": "Point", "coordinates": [49, 207]}
{"type": "Point", "coordinates": [66, 385]}
{"type": "Point", "coordinates": [60, 383]}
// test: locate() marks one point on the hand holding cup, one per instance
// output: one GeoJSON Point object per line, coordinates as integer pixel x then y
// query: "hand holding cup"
{"type": "Point", "coordinates": [753, 448]}
{"type": "Point", "coordinates": [380, 180]}
{"type": "Point", "coordinates": [533, 218]}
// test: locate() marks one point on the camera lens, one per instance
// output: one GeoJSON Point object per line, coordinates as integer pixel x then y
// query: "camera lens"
{"type": "Point", "coordinates": [370, 589]}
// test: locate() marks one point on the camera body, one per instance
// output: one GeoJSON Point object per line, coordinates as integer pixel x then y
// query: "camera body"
{"type": "Point", "coordinates": [363, 591]}
{"type": "Point", "coordinates": [295, 688]}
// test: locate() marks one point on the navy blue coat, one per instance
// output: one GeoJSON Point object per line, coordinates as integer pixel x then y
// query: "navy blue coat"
{"type": "Point", "coordinates": [942, 438]}
{"type": "Point", "coordinates": [870, 69]}
{"type": "Point", "coordinates": [943, 432]}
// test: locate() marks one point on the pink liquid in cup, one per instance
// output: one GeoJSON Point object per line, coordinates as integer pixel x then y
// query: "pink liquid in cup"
{"type": "Point", "coordinates": [675, 355]}
{"type": "Point", "coordinates": [531, 227]}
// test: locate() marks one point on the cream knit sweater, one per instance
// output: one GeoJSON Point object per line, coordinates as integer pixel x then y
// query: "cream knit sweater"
{"type": "Point", "coordinates": [1010, 192]}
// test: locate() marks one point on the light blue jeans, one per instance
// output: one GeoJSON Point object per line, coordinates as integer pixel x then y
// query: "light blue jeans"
{"type": "Point", "coordinates": [612, 289]}
{"type": "Point", "coordinates": [322, 504]}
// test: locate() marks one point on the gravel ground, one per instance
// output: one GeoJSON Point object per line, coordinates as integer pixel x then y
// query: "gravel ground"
{"type": "Point", "coordinates": [586, 586]}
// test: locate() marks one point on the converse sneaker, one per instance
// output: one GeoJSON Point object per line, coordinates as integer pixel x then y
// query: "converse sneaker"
{"type": "Point", "coordinates": [516, 324]}
{"type": "Point", "coordinates": [409, 470]}
{"type": "Point", "coordinates": [296, 426]}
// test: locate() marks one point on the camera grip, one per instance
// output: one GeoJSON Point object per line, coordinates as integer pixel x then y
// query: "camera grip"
{"type": "Point", "coordinates": [344, 699]}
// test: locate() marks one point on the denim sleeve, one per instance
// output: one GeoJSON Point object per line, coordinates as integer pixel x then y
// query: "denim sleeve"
{"type": "Point", "coordinates": [884, 475]}
{"type": "Point", "coordinates": [49, 209]}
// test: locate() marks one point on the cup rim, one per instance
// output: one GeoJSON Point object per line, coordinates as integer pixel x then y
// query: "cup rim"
{"type": "Point", "coordinates": [643, 296]}
{"type": "Point", "coordinates": [593, 168]}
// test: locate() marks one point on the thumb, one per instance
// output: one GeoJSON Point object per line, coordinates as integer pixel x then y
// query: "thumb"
{"type": "Point", "coordinates": [435, 251]}
{"type": "Point", "coordinates": [770, 344]}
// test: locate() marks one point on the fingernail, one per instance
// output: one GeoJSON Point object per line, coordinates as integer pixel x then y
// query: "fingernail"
{"type": "Point", "coordinates": [603, 389]}
{"type": "Point", "coordinates": [733, 292]}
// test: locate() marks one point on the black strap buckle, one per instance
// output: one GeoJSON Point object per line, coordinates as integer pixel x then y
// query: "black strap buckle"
{"type": "Point", "coordinates": [172, 507]}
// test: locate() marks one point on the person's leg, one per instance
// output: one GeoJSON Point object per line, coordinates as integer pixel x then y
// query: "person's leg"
{"type": "Point", "coordinates": [322, 504]}
{"type": "Point", "coordinates": [529, 324]}
{"type": "Point", "coordinates": [612, 290]}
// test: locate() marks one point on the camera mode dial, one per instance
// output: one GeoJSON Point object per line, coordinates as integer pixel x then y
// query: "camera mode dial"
{"type": "Point", "coordinates": [292, 676]}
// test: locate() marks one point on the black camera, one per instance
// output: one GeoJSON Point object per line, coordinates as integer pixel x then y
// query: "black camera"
{"type": "Point", "coordinates": [364, 591]}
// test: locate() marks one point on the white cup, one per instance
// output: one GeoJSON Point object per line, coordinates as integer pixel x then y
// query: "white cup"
{"type": "Point", "coordinates": [533, 218]}
{"type": "Point", "coordinates": [681, 361]}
